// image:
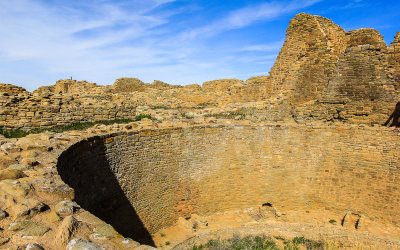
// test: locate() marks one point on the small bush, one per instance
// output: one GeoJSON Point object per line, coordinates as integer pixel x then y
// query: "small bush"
{"type": "Point", "coordinates": [237, 243]}
{"type": "Point", "coordinates": [259, 243]}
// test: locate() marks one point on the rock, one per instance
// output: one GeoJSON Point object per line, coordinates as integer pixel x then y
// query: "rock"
{"type": "Point", "coordinates": [3, 214]}
{"type": "Point", "coordinates": [106, 230]}
{"type": "Point", "coordinates": [15, 188]}
{"type": "Point", "coordinates": [66, 230]}
{"type": "Point", "coordinates": [34, 246]}
{"type": "Point", "coordinates": [28, 228]}
{"type": "Point", "coordinates": [3, 240]}
{"type": "Point", "coordinates": [29, 207]}
{"type": "Point", "coordinates": [21, 167]}
{"type": "Point", "coordinates": [66, 207]}
{"type": "Point", "coordinates": [29, 161]}
{"type": "Point", "coordinates": [29, 154]}
{"type": "Point", "coordinates": [11, 174]}
{"type": "Point", "coordinates": [31, 142]}
{"type": "Point", "coordinates": [89, 218]}
{"type": "Point", "coordinates": [50, 216]}
{"type": "Point", "coordinates": [80, 244]}
{"type": "Point", "coordinates": [6, 161]}
{"type": "Point", "coordinates": [10, 148]}
{"type": "Point", "coordinates": [129, 243]}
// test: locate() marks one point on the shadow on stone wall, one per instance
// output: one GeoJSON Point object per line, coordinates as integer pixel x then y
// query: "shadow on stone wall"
{"type": "Point", "coordinates": [394, 116]}
{"type": "Point", "coordinates": [85, 168]}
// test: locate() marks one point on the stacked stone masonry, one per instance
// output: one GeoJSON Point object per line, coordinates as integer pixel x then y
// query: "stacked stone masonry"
{"type": "Point", "coordinates": [171, 173]}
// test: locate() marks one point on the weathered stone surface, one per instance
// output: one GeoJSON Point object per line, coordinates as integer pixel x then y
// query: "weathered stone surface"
{"type": "Point", "coordinates": [106, 230]}
{"type": "Point", "coordinates": [34, 246]}
{"type": "Point", "coordinates": [19, 167]}
{"type": "Point", "coordinates": [28, 207]}
{"type": "Point", "coordinates": [3, 214]}
{"type": "Point", "coordinates": [11, 174]}
{"type": "Point", "coordinates": [128, 85]}
{"type": "Point", "coordinates": [129, 243]}
{"type": "Point", "coordinates": [28, 228]}
{"type": "Point", "coordinates": [3, 240]}
{"type": "Point", "coordinates": [15, 187]}
{"type": "Point", "coordinates": [10, 148]}
{"type": "Point", "coordinates": [65, 208]}
{"type": "Point", "coordinates": [66, 230]}
{"type": "Point", "coordinates": [80, 244]}
{"type": "Point", "coordinates": [6, 161]}
{"type": "Point", "coordinates": [29, 161]}
{"type": "Point", "coordinates": [31, 142]}
{"type": "Point", "coordinates": [351, 220]}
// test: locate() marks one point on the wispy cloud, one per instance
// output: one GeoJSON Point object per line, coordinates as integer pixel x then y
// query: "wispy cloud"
{"type": "Point", "coordinates": [248, 15]}
{"type": "Point", "coordinates": [103, 40]}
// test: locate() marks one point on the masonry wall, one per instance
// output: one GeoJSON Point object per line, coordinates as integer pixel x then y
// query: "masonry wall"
{"type": "Point", "coordinates": [23, 110]}
{"type": "Point", "coordinates": [171, 173]}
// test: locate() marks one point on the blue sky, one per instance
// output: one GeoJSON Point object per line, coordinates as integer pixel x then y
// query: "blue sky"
{"type": "Point", "coordinates": [176, 41]}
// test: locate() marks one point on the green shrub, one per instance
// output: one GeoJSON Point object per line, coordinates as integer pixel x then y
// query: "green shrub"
{"type": "Point", "coordinates": [260, 243]}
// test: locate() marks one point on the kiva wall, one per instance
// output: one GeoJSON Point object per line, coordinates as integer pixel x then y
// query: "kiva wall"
{"type": "Point", "coordinates": [170, 173]}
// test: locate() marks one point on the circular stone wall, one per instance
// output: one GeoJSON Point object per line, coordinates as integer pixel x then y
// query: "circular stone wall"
{"type": "Point", "coordinates": [143, 181]}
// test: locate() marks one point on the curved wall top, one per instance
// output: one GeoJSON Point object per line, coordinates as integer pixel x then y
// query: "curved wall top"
{"type": "Point", "coordinates": [151, 178]}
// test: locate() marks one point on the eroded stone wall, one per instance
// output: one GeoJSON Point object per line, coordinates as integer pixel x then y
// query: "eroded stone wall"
{"type": "Point", "coordinates": [172, 173]}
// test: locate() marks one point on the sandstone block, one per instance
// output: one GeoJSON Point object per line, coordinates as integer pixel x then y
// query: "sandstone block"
{"type": "Point", "coordinates": [28, 228]}
{"type": "Point", "coordinates": [6, 161]}
{"type": "Point", "coordinates": [34, 246]}
{"type": "Point", "coordinates": [19, 167]}
{"type": "Point", "coordinates": [80, 244]}
{"type": "Point", "coordinates": [11, 174]}
{"type": "Point", "coordinates": [3, 240]}
{"type": "Point", "coordinates": [66, 230]}
{"type": "Point", "coordinates": [65, 208]}
{"type": "Point", "coordinates": [106, 230]}
{"type": "Point", "coordinates": [15, 188]}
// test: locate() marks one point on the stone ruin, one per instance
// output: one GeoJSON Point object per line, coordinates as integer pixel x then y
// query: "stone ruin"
{"type": "Point", "coordinates": [310, 150]}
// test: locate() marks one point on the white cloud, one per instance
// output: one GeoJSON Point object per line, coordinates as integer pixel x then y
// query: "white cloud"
{"type": "Point", "coordinates": [248, 15]}
{"type": "Point", "coordinates": [104, 40]}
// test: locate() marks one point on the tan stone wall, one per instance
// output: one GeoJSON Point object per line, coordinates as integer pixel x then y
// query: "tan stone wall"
{"type": "Point", "coordinates": [173, 173]}
{"type": "Point", "coordinates": [66, 102]}
{"type": "Point", "coordinates": [308, 57]}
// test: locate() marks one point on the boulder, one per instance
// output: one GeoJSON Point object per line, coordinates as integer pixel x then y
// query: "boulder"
{"type": "Point", "coordinates": [34, 246]}
{"type": "Point", "coordinates": [66, 207]}
{"type": "Point", "coordinates": [66, 230]}
{"type": "Point", "coordinates": [12, 174]}
{"type": "Point", "coordinates": [80, 244]}
{"type": "Point", "coordinates": [28, 228]}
